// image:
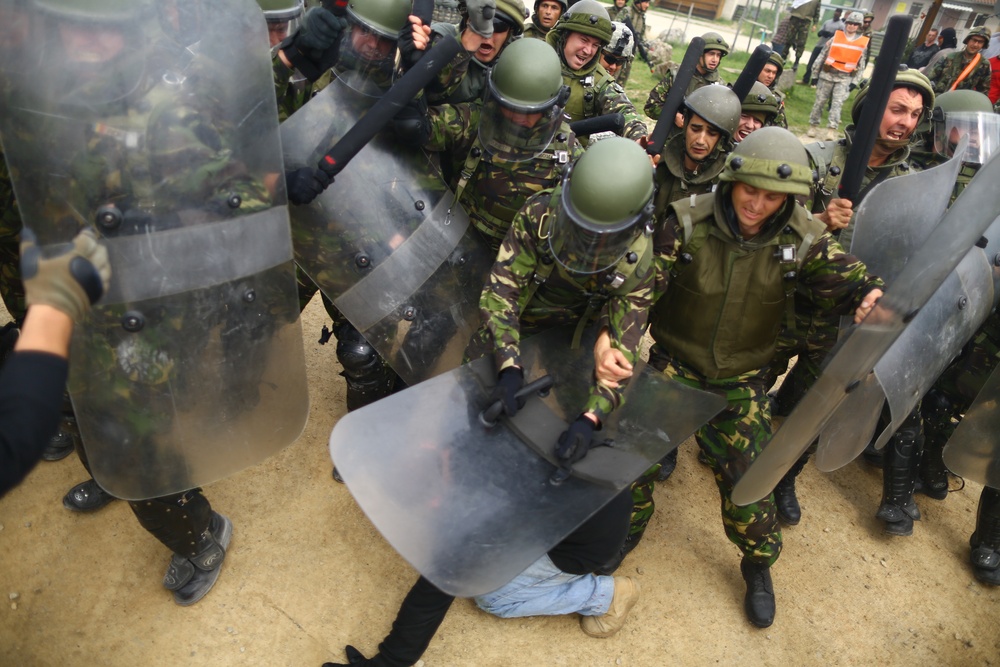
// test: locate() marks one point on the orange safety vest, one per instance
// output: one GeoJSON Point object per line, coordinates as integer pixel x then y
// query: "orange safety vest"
{"type": "Point", "coordinates": [844, 54]}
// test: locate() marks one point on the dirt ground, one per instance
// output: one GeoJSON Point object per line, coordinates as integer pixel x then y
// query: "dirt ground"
{"type": "Point", "coordinates": [306, 573]}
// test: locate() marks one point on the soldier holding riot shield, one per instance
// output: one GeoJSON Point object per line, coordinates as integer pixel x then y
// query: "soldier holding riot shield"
{"type": "Point", "coordinates": [192, 367]}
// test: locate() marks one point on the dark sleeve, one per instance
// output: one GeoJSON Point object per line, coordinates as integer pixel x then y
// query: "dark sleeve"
{"type": "Point", "coordinates": [596, 541]}
{"type": "Point", "coordinates": [422, 611]}
{"type": "Point", "coordinates": [31, 388]}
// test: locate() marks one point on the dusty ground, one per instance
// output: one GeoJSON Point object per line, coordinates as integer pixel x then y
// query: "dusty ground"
{"type": "Point", "coordinates": [306, 573]}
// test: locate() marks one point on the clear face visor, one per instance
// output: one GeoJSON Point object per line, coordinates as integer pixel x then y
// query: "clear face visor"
{"type": "Point", "coordinates": [367, 58]}
{"type": "Point", "coordinates": [281, 23]}
{"type": "Point", "coordinates": [584, 247]}
{"type": "Point", "coordinates": [515, 132]}
{"type": "Point", "coordinates": [983, 130]}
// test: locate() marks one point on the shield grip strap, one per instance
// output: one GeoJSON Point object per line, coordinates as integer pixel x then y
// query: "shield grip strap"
{"type": "Point", "coordinates": [174, 261]}
{"type": "Point", "coordinates": [394, 281]}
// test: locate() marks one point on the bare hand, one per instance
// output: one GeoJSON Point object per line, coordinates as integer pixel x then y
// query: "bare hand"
{"type": "Point", "coordinates": [866, 305]}
{"type": "Point", "coordinates": [837, 214]}
{"type": "Point", "coordinates": [421, 33]}
{"type": "Point", "coordinates": [610, 365]}
{"type": "Point", "coordinates": [679, 119]}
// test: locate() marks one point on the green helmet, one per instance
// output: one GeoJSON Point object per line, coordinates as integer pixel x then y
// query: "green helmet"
{"type": "Point", "coordinates": [588, 17]}
{"type": "Point", "coordinates": [92, 10]}
{"type": "Point", "coordinates": [966, 112]}
{"type": "Point", "coordinates": [978, 31]}
{"type": "Point", "coordinates": [779, 62]}
{"type": "Point", "coordinates": [718, 105]}
{"type": "Point", "coordinates": [715, 42]}
{"type": "Point", "coordinates": [905, 78]}
{"type": "Point", "coordinates": [281, 10]}
{"type": "Point", "coordinates": [772, 159]}
{"type": "Point", "coordinates": [603, 210]}
{"type": "Point", "coordinates": [514, 13]}
{"type": "Point", "coordinates": [383, 17]}
{"type": "Point", "coordinates": [525, 96]}
{"type": "Point", "coordinates": [761, 99]}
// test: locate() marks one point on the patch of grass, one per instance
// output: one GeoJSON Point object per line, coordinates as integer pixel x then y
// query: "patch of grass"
{"type": "Point", "coordinates": [798, 99]}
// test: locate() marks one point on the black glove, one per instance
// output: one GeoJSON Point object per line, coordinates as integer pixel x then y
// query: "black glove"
{"type": "Point", "coordinates": [412, 124]}
{"type": "Point", "coordinates": [575, 442]}
{"type": "Point", "coordinates": [409, 54]}
{"type": "Point", "coordinates": [320, 29]}
{"type": "Point", "coordinates": [354, 659]}
{"type": "Point", "coordinates": [509, 382]}
{"type": "Point", "coordinates": [306, 184]}
{"type": "Point", "coordinates": [851, 87]}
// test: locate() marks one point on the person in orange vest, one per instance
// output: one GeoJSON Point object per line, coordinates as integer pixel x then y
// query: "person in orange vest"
{"type": "Point", "coordinates": [966, 69]}
{"type": "Point", "coordinates": [837, 70]}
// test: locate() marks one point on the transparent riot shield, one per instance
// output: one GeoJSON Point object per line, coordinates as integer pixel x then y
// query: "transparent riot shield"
{"type": "Point", "coordinates": [386, 242]}
{"type": "Point", "coordinates": [157, 125]}
{"type": "Point", "coordinates": [973, 451]}
{"type": "Point", "coordinates": [860, 349]}
{"type": "Point", "coordinates": [911, 365]}
{"type": "Point", "coordinates": [469, 506]}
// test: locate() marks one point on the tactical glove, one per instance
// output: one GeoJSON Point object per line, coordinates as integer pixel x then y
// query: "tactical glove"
{"type": "Point", "coordinates": [69, 281]}
{"type": "Point", "coordinates": [411, 123]}
{"type": "Point", "coordinates": [320, 29]}
{"type": "Point", "coordinates": [481, 13]}
{"type": "Point", "coordinates": [409, 54]}
{"type": "Point", "coordinates": [509, 382]}
{"type": "Point", "coordinates": [575, 442]}
{"type": "Point", "coordinates": [306, 184]}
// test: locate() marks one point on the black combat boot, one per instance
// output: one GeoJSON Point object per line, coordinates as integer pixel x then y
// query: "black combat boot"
{"type": "Point", "coordinates": [787, 504]}
{"type": "Point", "coordinates": [667, 466]}
{"type": "Point", "coordinates": [899, 474]}
{"type": "Point", "coordinates": [936, 411]}
{"type": "Point", "coordinates": [86, 497]}
{"type": "Point", "coordinates": [985, 542]}
{"type": "Point", "coordinates": [191, 578]}
{"type": "Point", "coordinates": [759, 600]}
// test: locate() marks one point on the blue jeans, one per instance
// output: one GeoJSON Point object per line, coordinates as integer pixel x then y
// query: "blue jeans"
{"type": "Point", "coordinates": [545, 590]}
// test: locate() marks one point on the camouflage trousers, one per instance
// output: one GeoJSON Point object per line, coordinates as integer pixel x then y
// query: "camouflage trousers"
{"type": "Point", "coordinates": [795, 36]}
{"type": "Point", "coordinates": [622, 77]}
{"type": "Point", "coordinates": [959, 384]}
{"type": "Point", "coordinates": [835, 88]}
{"type": "Point", "coordinates": [11, 287]}
{"type": "Point", "coordinates": [730, 442]}
{"type": "Point", "coordinates": [810, 341]}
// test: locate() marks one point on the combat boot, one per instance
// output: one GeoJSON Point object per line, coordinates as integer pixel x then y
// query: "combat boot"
{"type": "Point", "coordinates": [936, 410]}
{"type": "Point", "coordinates": [192, 578]}
{"type": "Point", "coordinates": [667, 466]}
{"type": "Point", "coordinates": [59, 447]}
{"type": "Point", "coordinates": [86, 497]}
{"type": "Point", "coordinates": [831, 134]}
{"type": "Point", "coordinates": [812, 130]}
{"type": "Point", "coordinates": [785, 500]}
{"type": "Point", "coordinates": [985, 542]}
{"type": "Point", "coordinates": [625, 596]}
{"type": "Point", "coordinates": [899, 473]}
{"type": "Point", "coordinates": [759, 600]}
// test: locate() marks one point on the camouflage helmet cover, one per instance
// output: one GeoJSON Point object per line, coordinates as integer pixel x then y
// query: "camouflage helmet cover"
{"type": "Point", "coordinates": [979, 31]}
{"type": "Point", "coordinates": [622, 41]}
{"type": "Point", "coordinates": [855, 17]}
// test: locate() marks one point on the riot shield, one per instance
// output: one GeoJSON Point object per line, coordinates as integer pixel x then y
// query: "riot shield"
{"type": "Point", "coordinates": [861, 348]}
{"type": "Point", "coordinates": [386, 242]}
{"type": "Point", "coordinates": [470, 507]}
{"type": "Point", "coordinates": [161, 131]}
{"type": "Point", "coordinates": [973, 451]}
{"type": "Point", "coordinates": [911, 365]}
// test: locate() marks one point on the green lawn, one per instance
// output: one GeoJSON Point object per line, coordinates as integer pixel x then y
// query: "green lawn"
{"type": "Point", "coordinates": [798, 99]}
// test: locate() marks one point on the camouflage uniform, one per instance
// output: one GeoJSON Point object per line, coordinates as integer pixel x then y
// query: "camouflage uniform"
{"type": "Point", "coordinates": [11, 287]}
{"type": "Point", "coordinates": [635, 19]}
{"type": "Point", "coordinates": [594, 93]}
{"type": "Point", "coordinates": [461, 80]}
{"type": "Point", "coordinates": [779, 119]}
{"type": "Point", "coordinates": [658, 95]}
{"type": "Point", "coordinates": [944, 72]}
{"type": "Point", "coordinates": [833, 85]}
{"type": "Point", "coordinates": [815, 333]}
{"type": "Point", "coordinates": [797, 32]}
{"type": "Point", "coordinates": [494, 190]}
{"type": "Point", "coordinates": [533, 30]}
{"type": "Point", "coordinates": [727, 352]}
{"type": "Point", "coordinates": [511, 310]}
